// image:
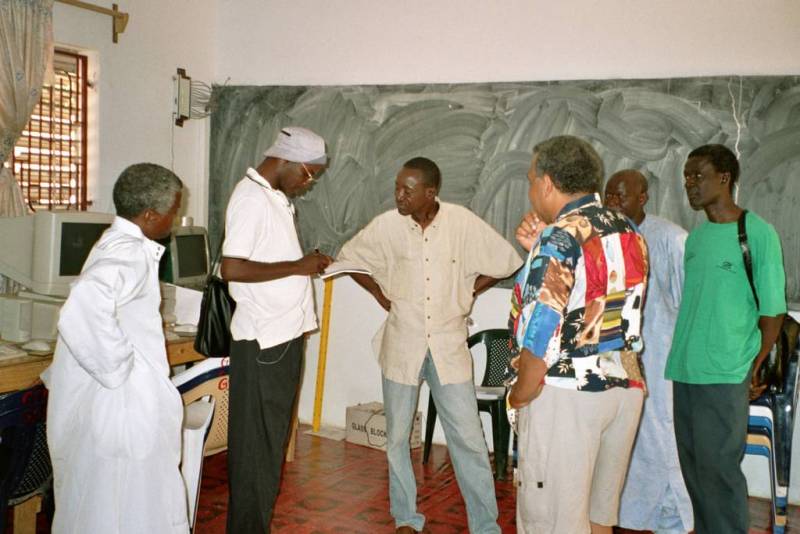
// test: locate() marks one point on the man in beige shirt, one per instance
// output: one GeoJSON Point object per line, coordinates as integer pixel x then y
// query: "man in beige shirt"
{"type": "Point", "coordinates": [428, 260]}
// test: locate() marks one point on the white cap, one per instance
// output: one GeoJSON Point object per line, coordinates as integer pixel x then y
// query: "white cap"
{"type": "Point", "coordinates": [298, 145]}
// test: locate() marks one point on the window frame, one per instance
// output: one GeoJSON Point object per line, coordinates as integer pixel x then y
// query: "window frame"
{"type": "Point", "coordinates": [45, 182]}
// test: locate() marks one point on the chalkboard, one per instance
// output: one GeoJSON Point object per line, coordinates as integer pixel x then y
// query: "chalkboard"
{"type": "Point", "coordinates": [482, 136]}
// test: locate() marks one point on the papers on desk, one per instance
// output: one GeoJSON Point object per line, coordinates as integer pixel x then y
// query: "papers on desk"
{"type": "Point", "coordinates": [343, 267]}
{"type": "Point", "coordinates": [180, 305]}
{"type": "Point", "coordinates": [187, 306]}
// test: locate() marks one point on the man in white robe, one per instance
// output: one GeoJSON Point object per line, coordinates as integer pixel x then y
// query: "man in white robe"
{"type": "Point", "coordinates": [113, 416]}
{"type": "Point", "coordinates": [655, 496]}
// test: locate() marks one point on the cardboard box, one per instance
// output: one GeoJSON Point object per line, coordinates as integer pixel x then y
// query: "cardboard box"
{"type": "Point", "coordinates": [366, 425]}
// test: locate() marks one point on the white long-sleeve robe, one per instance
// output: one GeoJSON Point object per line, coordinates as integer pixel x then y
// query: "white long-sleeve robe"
{"type": "Point", "coordinates": [113, 416]}
{"type": "Point", "coordinates": [655, 496]}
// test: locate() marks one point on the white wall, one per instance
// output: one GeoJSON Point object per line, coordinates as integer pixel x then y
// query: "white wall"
{"type": "Point", "coordinates": [361, 41]}
{"type": "Point", "coordinates": [131, 103]}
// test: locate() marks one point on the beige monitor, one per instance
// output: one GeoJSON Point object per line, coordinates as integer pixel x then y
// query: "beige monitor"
{"type": "Point", "coordinates": [46, 251]}
{"type": "Point", "coordinates": [190, 256]}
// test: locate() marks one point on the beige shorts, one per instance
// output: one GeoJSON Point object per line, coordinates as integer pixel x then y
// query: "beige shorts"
{"type": "Point", "coordinates": [574, 449]}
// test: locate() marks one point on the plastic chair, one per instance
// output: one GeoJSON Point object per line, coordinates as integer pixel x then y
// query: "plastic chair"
{"type": "Point", "coordinates": [208, 377]}
{"type": "Point", "coordinates": [761, 416]}
{"type": "Point", "coordinates": [760, 423]}
{"type": "Point", "coordinates": [490, 395]}
{"type": "Point", "coordinates": [771, 419]}
{"type": "Point", "coordinates": [196, 422]}
{"type": "Point", "coordinates": [761, 445]}
{"type": "Point", "coordinates": [25, 469]}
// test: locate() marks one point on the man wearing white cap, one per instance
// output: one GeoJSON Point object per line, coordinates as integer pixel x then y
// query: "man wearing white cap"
{"type": "Point", "coordinates": [271, 284]}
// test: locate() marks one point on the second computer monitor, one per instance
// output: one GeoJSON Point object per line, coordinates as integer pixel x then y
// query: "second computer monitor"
{"type": "Point", "coordinates": [190, 256]}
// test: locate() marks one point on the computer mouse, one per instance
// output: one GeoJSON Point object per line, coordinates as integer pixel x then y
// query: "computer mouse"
{"type": "Point", "coordinates": [37, 345]}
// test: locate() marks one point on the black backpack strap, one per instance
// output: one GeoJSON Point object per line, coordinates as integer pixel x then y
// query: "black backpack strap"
{"type": "Point", "coordinates": [748, 260]}
{"type": "Point", "coordinates": [217, 259]}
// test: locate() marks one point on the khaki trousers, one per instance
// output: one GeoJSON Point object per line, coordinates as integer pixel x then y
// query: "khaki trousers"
{"type": "Point", "coordinates": [574, 449]}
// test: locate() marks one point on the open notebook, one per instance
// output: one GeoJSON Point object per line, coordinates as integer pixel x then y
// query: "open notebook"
{"type": "Point", "coordinates": [343, 267]}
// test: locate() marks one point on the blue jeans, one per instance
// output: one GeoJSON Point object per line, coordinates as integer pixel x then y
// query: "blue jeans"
{"type": "Point", "coordinates": [458, 410]}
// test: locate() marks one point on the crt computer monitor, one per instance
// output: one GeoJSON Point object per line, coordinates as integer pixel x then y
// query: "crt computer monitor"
{"type": "Point", "coordinates": [189, 255]}
{"type": "Point", "coordinates": [46, 251]}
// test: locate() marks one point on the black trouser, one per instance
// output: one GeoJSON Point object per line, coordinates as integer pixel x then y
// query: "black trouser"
{"type": "Point", "coordinates": [711, 431]}
{"type": "Point", "coordinates": [263, 390]}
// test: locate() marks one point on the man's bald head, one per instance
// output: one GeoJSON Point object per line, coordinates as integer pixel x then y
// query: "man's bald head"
{"type": "Point", "coordinates": [632, 178]}
{"type": "Point", "coordinates": [626, 191]}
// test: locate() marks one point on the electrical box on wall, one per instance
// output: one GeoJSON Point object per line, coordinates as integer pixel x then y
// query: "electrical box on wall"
{"type": "Point", "coordinates": [193, 99]}
{"type": "Point", "coordinates": [183, 97]}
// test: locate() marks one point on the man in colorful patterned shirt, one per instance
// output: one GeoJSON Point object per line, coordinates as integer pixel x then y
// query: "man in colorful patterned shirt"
{"type": "Point", "coordinates": [575, 323]}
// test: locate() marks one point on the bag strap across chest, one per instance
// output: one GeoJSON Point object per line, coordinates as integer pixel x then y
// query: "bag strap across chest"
{"type": "Point", "coordinates": [748, 260]}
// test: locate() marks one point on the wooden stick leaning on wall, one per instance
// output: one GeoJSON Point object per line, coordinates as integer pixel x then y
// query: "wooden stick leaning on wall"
{"type": "Point", "coordinates": [119, 19]}
{"type": "Point", "coordinates": [320, 384]}
{"type": "Point", "coordinates": [323, 354]}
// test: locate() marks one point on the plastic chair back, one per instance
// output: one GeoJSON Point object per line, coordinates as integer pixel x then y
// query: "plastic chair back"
{"type": "Point", "coordinates": [208, 377]}
{"type": "Point", "coordinates": [196, 422]}
{"type": "Point", "coordinates": [498, 354]}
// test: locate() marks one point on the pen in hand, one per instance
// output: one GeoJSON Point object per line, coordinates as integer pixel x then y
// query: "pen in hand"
{"type": "Point", "coordinates": [324, 261]}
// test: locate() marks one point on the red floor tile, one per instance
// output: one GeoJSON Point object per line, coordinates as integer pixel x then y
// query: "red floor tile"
{"type": "Point", "coordinates": [338, 487]}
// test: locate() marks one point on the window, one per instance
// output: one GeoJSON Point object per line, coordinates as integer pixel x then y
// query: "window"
{"type": "Point", "coordinates": [49, 160]}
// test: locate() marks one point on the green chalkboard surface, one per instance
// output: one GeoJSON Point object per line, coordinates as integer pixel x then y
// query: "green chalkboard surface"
{"type": "Point", "coordinates": [482, 135]}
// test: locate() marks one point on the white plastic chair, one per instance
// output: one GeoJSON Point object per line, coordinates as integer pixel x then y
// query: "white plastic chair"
{"type": "Point", "coordinates": [208, 377]}
{"type": "Point", "coordinates": [196, 421]}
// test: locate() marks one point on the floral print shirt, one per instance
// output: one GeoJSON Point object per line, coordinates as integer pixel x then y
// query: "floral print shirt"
{"type": "Point", "coordinates": [577, 302]}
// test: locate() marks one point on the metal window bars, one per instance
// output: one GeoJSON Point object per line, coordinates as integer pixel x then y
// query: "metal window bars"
{"type": "Point", "coordinates": [49, 159]}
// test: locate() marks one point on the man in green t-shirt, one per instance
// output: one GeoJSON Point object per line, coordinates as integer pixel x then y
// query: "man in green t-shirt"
{"type": "Point", "coordinates": [722, 336]}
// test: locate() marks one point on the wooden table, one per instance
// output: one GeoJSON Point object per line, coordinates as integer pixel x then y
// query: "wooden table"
{"type": "Point", "coordinates": [23, 372]}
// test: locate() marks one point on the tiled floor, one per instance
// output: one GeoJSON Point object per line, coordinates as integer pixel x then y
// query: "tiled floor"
{"type": "Point", "coordinates": [333, 486]}
{"type": "Point", "coordinates": [337, 487]}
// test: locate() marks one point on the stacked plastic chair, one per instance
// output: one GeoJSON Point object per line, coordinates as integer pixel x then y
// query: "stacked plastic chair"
{"type": "Point", "coordinates": [761, 442]}
{"type": "Point", "coordinates": [771, 421]}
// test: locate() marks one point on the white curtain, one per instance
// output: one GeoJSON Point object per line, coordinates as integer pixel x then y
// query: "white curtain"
{"type": "Point", "coordinates": [26, 53]}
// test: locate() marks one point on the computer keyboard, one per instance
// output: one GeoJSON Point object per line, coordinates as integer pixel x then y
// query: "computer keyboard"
{"type": "Point", "coordinates": [8, 351]}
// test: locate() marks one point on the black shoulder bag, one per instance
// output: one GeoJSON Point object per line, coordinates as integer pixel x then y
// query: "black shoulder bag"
{"type": "Point", "coordinates": [216, 310]}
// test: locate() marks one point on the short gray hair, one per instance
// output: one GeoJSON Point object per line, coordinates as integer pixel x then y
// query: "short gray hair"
{"type": "Point", "coordinates": [572, 164]}
{"type": "Point", "coordinates": [145, 186]}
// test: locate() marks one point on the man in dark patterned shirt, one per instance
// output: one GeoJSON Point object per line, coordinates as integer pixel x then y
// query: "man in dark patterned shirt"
{"type": "Point", "coordinates": [575, 323]}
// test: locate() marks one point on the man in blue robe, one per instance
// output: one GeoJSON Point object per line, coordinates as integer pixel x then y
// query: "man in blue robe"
{"type": "Point", "coordinates": [655, 496]}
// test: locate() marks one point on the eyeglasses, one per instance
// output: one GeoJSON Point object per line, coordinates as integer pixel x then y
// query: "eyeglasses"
{"type": "Point", "coordinates": [309, 174]}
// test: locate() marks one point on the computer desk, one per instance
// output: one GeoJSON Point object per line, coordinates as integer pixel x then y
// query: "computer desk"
{"type": "Point", "coordinates": [23, 372]}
